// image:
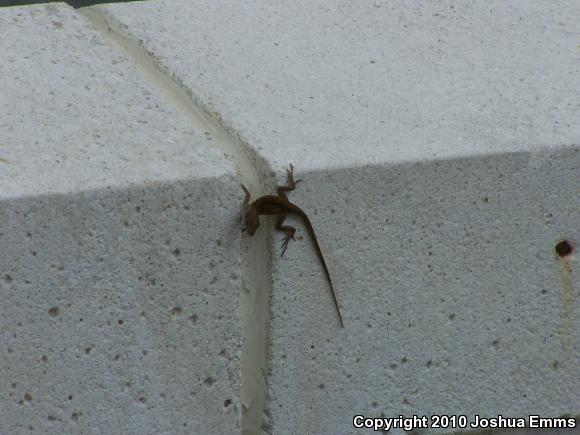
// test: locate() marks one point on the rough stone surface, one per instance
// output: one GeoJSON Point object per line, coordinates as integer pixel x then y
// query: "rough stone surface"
{"type": "Point", "coordinates": [119, 267]}
{"type": "Point", "coordinates": [454, 299]}
{"type": "Point", "coordinates": [369, 82]}
{"type": "Point", "coordinates": [455, 126]}
{"type": "Point", "coordinates": [439, 147]}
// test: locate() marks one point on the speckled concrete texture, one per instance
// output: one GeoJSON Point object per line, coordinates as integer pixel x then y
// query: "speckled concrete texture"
{"type": "Point", "coordinates": [354, 83]}
{"type": "Point", "coordinates": [119, 227]}
{"type": "Point", "coordinates": [438, 144]}
{"type": "Point", "coordinates": [439, 148]}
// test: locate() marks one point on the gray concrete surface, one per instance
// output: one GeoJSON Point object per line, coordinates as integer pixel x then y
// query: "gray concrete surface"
{"type": "Point", "coordinates": [119, 267]}
{"type": "Point", "coordinates": [354, 83]}
{"type": "Point", "coordinates": [438, 143]}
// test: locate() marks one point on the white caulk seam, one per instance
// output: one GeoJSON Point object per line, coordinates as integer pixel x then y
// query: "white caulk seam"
{"type": "Point", "coordinates": [256, 263]}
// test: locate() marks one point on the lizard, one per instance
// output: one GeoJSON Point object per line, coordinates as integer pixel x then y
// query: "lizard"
{"type": "Point", "coordinates": [281, 206]}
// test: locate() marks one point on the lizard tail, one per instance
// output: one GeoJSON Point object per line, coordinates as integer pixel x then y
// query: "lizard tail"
{"type": "Point", "coordinates": [324, 266]}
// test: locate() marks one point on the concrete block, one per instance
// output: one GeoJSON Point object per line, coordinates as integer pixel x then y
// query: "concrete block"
{"type": "Point", "coordinates": [454, 298]}
{"type": "Point", "coordinates": [348, 85]}
{"type": "Point", "coordinates": [438, 143]}
{"type": "Point", "coordinates": [119, 227]}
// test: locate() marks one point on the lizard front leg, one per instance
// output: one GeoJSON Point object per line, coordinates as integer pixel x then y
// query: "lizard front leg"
{"type": "Point", "coordinates": [290, 231]}
{"type": "Point", "coordinates": [291, 184]}
{"type": "Point", "coordinates": [246, 203]}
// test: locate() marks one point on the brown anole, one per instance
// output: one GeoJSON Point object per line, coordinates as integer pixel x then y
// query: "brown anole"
{"type": "Point", "coordinates": [281, 206]}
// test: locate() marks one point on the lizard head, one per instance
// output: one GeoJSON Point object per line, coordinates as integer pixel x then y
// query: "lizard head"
{"type": "Point", "coordinates": [251, 221]}
{"type": "Point", "coordinates": [251, 218]}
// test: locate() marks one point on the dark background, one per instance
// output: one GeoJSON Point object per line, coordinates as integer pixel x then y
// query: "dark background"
{"type": "Point", "coordinates": [73, 3]}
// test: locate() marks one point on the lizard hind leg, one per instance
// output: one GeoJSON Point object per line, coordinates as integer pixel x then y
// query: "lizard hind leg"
{"type": "Point", "coordinates": [290, 178]}
{"type": "Point", "coordinates": [290, 183]}
{"type": "Point", "coordinates": [288, 230]}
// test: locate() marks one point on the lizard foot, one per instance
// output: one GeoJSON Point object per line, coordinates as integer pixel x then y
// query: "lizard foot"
{"type": "Point", "coordinates": [291, 182]}
{"type": "Point", "coordinates": [285, 242]}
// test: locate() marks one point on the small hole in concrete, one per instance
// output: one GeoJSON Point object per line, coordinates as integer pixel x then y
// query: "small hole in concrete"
{"type": "Point", "coordinates": [120, 322]}
{"type": "Point", "coordinates": [209, 381]}
{"type": "Point", "coordinates": [227, 402]}
{"type": "Point", "coordinates": [564, 248]}
{"type": "Point", "coordinates": [53, 312]}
